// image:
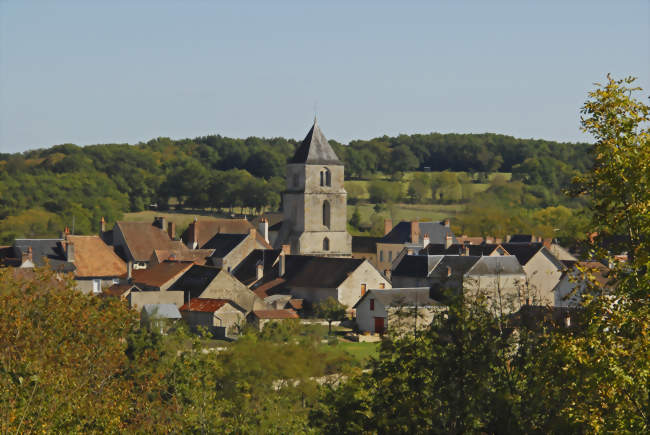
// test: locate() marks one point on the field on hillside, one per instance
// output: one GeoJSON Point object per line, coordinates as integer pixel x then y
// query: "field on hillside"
{"type": "Point", "coordinates": [402, 212]}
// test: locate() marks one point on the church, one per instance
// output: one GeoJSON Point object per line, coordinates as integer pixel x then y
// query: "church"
{"type": "Point", "coordinates": [314, 204]}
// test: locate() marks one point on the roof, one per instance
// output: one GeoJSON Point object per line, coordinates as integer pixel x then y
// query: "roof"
{"type": "Point", "coordinates": [523, 251]}
{"type": "Point", "coordinates": [160, 274]}
{"type": "Point", "coordinates": [315, 149]}
{"type": "Point", "coordinates": [198, 256]}
{"type": "Point", "coordinates": [246, 270]}
{"type": "Point", "coordinates": [459, 249]}
{"type": "Point", "coordinates": [269, 288]}
{"type": "Point", "coordinates": [94, 258]}
{"type": "Point", "coordinates": [207, 229]}
{"type": "Point", "coordinates": [222, 244]}
{"type": "Point", "coordinates": [457, 265]}
{"type": "Point", "coordinates": [322, 272]}
{"type": "Point", "coordinates": [365, 244]}
{"type": "Point", "coordinates": [275, 314]}
{"type": "Point", "coordinates": [296, 304]}
{"type": "Point", "coordinates": [195, 280]}
{"type": "Point", "coordinates": [120, 289]}
{"type": "Point", "coordinates": [205, 305]}
{"type": "Point", "coordinates": [46, 250]}
{"type": "Point", "coordinates": [403, 297]}
{"type": "Point", "coordinates": [162, 311]}
{"type": "Point", "coordinates": [596, 269]}
{"type": "Point", "coordinates": [142, 238]}
{"type": "Point", "coordinates": [501, 265]}
{"type": "Point", "coordinates": [416, 265]}
{"type": "Point", "coordinates": [401, 233]}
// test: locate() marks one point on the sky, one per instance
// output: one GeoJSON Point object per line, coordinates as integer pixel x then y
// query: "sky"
{"type": "Point", "coordinates": [88, 72]}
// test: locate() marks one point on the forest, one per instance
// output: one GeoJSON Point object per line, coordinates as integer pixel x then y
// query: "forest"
{"type": "Point", "coordinates": [44, 190]}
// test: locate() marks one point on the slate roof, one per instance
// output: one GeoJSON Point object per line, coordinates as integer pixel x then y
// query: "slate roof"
{"type": "Point", "coordinates": [459, 249]}
{"type": "Point", "coordinates": [416, 265]}
{"type": "Point", "coordinates": [275, 314]}
{"type": "Point", "coordinates": [162, 311]}
{"type": "Point", "coordinates": [502, 265]}
{"type": "Point", "coordinates": [525, 251]}
{"type": "Point", "coordinates": [195, 280]}
{"type": "Point", "coordinates": [322, 272]}
{"type": "Point", "coordinates": [365, 244]}
{"type": "Point", "coordinates": [46, 250]}
{"type": "Point", "coordinates": [459, 265]}
{"type": "Point", "coordinates": [315, 150]}
{"type": "Point", "coordinates": [246, 270]}
{"type": "Point", "coordinates": [94, 258]}
{"type": "Point", "coordinates": [142, 238]}
{"type": "Point", "coordinates": [222, 244]}
{"type": "Point", "coordinates": [160, 274]}
{"type": "Point", "coordinates": [205, 305]}
{"type": "Point", "coordinates": [272, 287]}
{"type": "Point", "coordinates": [401, 233]}
{"type": "Point", "coordinates": [402, 297]}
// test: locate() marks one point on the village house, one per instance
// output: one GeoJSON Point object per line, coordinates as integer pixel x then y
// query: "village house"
{"type": "Point", "coordinates": [94, 264]}
{"type": "Point", "coordinates": [221, 317]}
{"type": "Point", "coordinates": [402, 310]}
{"type": "Point", "coordinates": [200, 232]}
{"type": "Point", "coordinates": [573, 283]}
{"type": "Point", "coordinates": [152, 285]}
{"type": "Point", "coordinates": [136, 241]}
{"type": "Point", "coordinates": [315, 278]}
{"type": "Point", "coordinates": [414, 236]}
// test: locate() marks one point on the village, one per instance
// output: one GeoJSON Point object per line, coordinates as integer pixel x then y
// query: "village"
{"type": "Point", "coordinates": [222, 274]}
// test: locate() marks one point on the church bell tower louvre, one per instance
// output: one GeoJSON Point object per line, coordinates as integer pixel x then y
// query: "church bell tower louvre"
{"type": "Point", "coordinates": [315, 200]}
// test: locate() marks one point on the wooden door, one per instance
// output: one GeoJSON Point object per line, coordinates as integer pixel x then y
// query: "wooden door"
{"type": "Point", "coordinates": [379, 325]}
{"type": "Point", "coordinates": [363, 289]}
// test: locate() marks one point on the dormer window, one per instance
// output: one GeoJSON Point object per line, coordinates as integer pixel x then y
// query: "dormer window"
{"type": "Point", "coordinates": [325, 177]}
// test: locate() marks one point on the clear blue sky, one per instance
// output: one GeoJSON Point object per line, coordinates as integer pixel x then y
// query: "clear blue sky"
{"type": "Point", "coordinates": [126, 71]}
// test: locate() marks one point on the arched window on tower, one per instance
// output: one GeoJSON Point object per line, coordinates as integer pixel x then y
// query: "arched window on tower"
{"type": "Point", "coordinates": [326, 213]}
{"type": "Point", "coordinates": [326, 244]}
{"type": "Point", "coordinates": [325, 177]}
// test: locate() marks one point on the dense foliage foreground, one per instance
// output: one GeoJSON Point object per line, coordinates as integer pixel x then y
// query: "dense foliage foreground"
{"type": "Point", "coordinates": [72, 363]}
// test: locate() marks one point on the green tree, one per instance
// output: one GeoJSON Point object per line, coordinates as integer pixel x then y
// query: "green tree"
{"type": "Point", "coordinates": [330, 309]}
{"type": "Point", "coordinates": [355, 219]}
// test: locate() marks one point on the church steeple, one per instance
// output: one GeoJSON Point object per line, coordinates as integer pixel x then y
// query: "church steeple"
{"type": "Point", "coordinates": [315, 150]}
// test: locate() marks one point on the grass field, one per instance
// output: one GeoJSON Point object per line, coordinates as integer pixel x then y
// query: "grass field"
{"type": "Point", "coordinates": [400, 212]}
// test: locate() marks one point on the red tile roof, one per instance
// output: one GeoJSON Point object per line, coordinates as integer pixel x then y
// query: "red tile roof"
{"type": "Point", "coordinates": [93, 257]}
{"type": "Point", "coordinates": [296, 304]}
{"type": "Point", "coordinates": [205, 305]}
{"type": "Point", "coordinates": [118, 289]}
{"type": "Point", "coordinates": [198, 256]}
{"type": "Point", "coordinates": [207, 229]}
{"type": "Point", "coordinates": [276, 314]}
{"type": "Point", "coordinates": [263, 291]}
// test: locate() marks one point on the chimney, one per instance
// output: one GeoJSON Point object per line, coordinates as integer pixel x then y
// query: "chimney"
{"type": "Point", "coordinates": [69, 252]}
{"type": "Point", "coordinates": [388, 226]}
{"type": "Point", "coordinates": [102, 226]}
{"type": "Point", "coordinates": [286, 249]}
{"type": "Point", "coordinates": [171, 230]}
{"type": "Point", "coordinates": [159, 222]}
{"type": "Point", "coordinates": [415, 231]}
{"type": "Point", "coordinates": [282, 264]}
{"type": "Point", "coordinates": [466, 251]}
{"type": "Point", "coordinates": [252, 232]}
{"type": "Point", "coordinates": [259, 271]}
{"type": "Point", "coordinates": [446, 223]}
{"type": "Point", "coordinates": [508, 237]}
{"type": "Point", "coordinates": [387, 274]}
{"type": "Point", "coordinates": [425, 241]}
{"type": "Point", "coordinates": [129, 272]}
{"type": "Point", "coordinates": [448, 241]}
{"type": "Point", "coordinates": [264, 228]}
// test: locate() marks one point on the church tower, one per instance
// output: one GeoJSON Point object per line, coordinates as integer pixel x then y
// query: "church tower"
{"type": "Point", "coordinates": [315, 202]}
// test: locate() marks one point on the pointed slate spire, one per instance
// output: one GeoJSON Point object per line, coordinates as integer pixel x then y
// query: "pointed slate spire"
{"type": "Point", "coordinates": [315, 150]}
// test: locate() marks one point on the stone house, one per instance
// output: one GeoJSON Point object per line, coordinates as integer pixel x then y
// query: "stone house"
{"type": "Point", "coordinates": [568, 291]}
{"type": "Point", "coordinates": [209, 282]}
{"type": "Point", "coordinates": [315, 278]}
{"type": "Point", "coordinates": [221, 317]}
{"type": "Point", "coordinates": [159, 317]}
{"type": "Point", "coordinates": [399, 309]}
{"type": "Point", "coordinates": [199, 233]}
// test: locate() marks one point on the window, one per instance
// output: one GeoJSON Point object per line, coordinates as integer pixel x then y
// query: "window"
{"type": "Point", "coordinates": [372, 305]}
{"type": "Point", "coordinates": [381, 255]}
{"type": "Point", "coordinates": [116, 280]}
{"type": "Point", "coordinates": [325, 177]}
{"type": "Point", "coordinates": [390, 255]}
{"type": "Point", "coordinates": [326, 213]}
{"type": "Point", "coordinates": [97, 285]}
{"type": "Point", "coordinates": [363, 289]}
{"type": "Point", "coordinates": [326, 244]}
